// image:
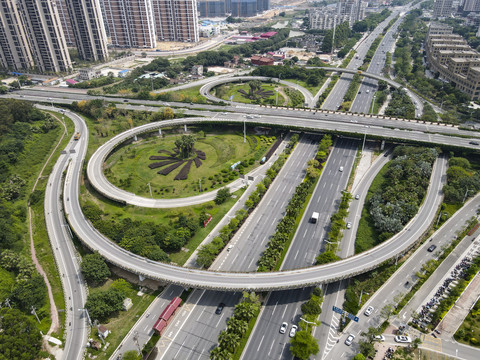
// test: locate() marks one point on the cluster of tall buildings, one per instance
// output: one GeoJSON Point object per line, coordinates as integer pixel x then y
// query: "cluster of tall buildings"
{"type": "Point", "coordinates": [346, 10]}
{"type": "Point", "coordinates": [235, 8]}
{"type": "Point", "coordinates": [453, 59]}
{"type": "Point", "coordinates": [36, 34]}
{"type": "Point", "coordinates": [445, 8]}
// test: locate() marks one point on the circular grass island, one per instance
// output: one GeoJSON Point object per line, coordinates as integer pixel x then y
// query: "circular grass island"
{"type": "Point", "coordinates": [258, 92]}
{"type": "Point", "coordinates": [175, 169]}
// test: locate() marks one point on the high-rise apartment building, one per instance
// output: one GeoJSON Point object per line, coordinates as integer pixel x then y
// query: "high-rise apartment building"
{"type": "Point", "coordinates": [176, 20]}
{"type": "Point", "coordinates": [471, 6]}
{"type": "Point", "coordinates": [211, 9]}
{"type": "Point", "coordinates": [442, 8]}
{"type": "Point", "coordinates": [352, 10]}
{"type": "Point", "coordinates": [15, 51]}
{"type": "Point", "coordinates": [243, 8]}
{"type": "Point", "coordinates": [130, 23]}
{"type": "Point", "coordinates": [45, 35]}
{"type": "Point", "coordinates": [88, 29]}
{"type": "Point", "coordinates": [66, 23]}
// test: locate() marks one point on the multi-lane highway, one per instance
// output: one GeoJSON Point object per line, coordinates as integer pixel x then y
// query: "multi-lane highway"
{"type": "Point", "coordinates": [200, 333]}
{"type": "Point", "coordinates": [271, 281]}
{"type": "Point", "coordinates": [74, 287]}
{"type": "Point", "coordinates": [266, 341]}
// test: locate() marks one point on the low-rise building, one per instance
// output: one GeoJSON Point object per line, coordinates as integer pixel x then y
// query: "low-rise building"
{"type": "Point", "coordinates": [261, 60]}
{"type": "Point", "coordinates": [197, 70]}
{"type": "Point", "coordinates": [89, 74]}
{"type": "Point", "coordinates": [450, 56]}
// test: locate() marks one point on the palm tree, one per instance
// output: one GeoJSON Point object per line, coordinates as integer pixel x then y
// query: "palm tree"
{"type": "Point", "coordinates": [237, 326]}
{"type": "Point", "coordinates": [229, 340]}
{"type": "Point", "coordinates": [220, 353]}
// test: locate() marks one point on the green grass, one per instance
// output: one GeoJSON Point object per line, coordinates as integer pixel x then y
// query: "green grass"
{"type": "Point", "coordinates": [128, 167]}
{"type": "Point", "coordinates": [367, 235]}
{"type": "Point", "coordinates": [233, 89]}
{"type": "Point", "coordinates": [121, 324]}
{"type": "Point", "coordinates": [313, 89]}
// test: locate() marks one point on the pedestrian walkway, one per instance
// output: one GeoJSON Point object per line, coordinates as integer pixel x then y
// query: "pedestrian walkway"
{"type": "Point", "coordinates": [459, 311]}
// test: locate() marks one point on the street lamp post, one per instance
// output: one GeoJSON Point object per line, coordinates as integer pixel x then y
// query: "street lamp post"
{"type": "Point", "coordinates": [244, 131]}
{"type": "Point", "coordinates": [150, 188]}
{"type": "Point", "coordinates": [465, 196]}
{"type": "Point", "coordinates": [361, 294]}
{"type": "Point", "coordinates": [276, 97]}
{"type": "Point", "coordinates": [373, 104]}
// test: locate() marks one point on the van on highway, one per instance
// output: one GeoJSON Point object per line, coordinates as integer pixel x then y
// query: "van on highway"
{"type": "Point", "coordinates": [314, 217]}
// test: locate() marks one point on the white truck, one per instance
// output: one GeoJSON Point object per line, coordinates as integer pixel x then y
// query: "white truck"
{"type": "Point", "coordinates": [314, 217]}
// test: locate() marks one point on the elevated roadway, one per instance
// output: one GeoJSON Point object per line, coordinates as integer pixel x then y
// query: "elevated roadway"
{"type": "Point", "coordinates": [251, 281]}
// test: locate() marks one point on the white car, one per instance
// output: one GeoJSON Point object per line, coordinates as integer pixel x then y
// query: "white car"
{"type": "Point", "coordinates": [341, 169]}
{"type": "Point", "coordinates": [283, 328]}
{"type": "Point", "coordinates": [379, 338]}
{"type": "Point", "coordinates": [349, 225]}
{"type": "Point", "coordinates": [349, 340]}
{"type": "Point", "coordinates": [403, 339]}
{"type": "Point", "coordinates": [369, 311]}
{"type": "Point", "coordinates": [357, 196]}
{"type": "Point", "coordinates": [293, 330]}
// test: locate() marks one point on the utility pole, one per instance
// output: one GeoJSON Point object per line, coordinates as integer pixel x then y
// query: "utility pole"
{"type": "Point", "coordinates": [244, 131]}
{"type": "Point", "coordinates": [150, 190]}
{"type": "Point", "coordinates": [333, 36]}
{"type": "Point", "coordinates": [361, 294]}
{"type": "Point", "coordinates": [200, 184]}
{"type": "Point", "coordinates": [33, 312]}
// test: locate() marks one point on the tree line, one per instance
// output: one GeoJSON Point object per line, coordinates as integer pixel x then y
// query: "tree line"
{"type": "Point", "coordinates": [286, 227]}
{"type": "Point", "coordinates": [208, 252]}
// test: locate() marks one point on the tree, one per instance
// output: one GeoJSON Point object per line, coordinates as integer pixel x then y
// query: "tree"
{"type": "Point", "coordinates": [303, 345]}
{"type": "Point", "coordinates": [101, 305]}
{"type": "Point", "coordinates": [31, 292]}
{"type": "Point", "coordinates": [131, 355]}
{"type": "Point", "coordinates": [223, 195]}
{"type": "Point", "coordinates": [229, 340]}
{"type": "Point", "coordinates": [359, 357]}
{"type": "Point", "coordinates": [185, 145]}
{"type": "Point", "coordinates": [367, 348]}
{"type": "Point", "coordinates": [94, 268]}
{"type": "Point", "coordinates": [20, 337]}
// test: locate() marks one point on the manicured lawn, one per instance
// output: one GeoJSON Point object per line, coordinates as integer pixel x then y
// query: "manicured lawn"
{"type": "Point", "coordinates": [227, 90]}
{"type": "Point", "coordinates": [313, 89]}
{"type": "Point", "coordinates": [367, 235]}
{"type": "Point", "coordinates": [128, 167]}
{"type": "Point", "coordinates": [121, 324]}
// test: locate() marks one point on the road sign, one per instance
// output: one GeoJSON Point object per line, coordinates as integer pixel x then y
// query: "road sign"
{"type": "Point", "coordinates": [352, 317]}
{"type": "Point", "coordinates": [338, 310]}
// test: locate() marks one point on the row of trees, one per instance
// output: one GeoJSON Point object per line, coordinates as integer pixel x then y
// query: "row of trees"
{"type": "Point", "coordinates": [462, 181]}
{"type": "Point", "coordinates": [303, 344]}
{"type": "Point", "coordinates": [311, 76]}
{"type": "Point", "coordinates": [335, 234]}
{"type": "Point", "coordinates": [405, 183]}
{"type": "Point", "coordinates": [237, 327]}
{"type": "Point", "coordinates": [110, 119]}
{"type": "Point", "coordinates": [147, 239]}
{"type": "Point", "coordinates": [208, 252]}
{"type": "Point", "coordinates": [400, 105]}
{"type": "Point", "coordinates": [409, 47]}
{"type": "Point", "coordinates": [286, 227]}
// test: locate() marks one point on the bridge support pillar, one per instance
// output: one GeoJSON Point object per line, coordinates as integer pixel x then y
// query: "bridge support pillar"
{"type": "Point", "coordinates": [185, 127]}
{"type": "Point", "coordinates": [135, 138]}
{"type": "Point", "coordinates": [159, 131]}
{"type": "Point", "coordinates": [141, 278]}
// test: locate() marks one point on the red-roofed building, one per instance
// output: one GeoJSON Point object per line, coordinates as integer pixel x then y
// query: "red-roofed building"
{"type": "Point", "coordinates": [268, 34]}
{"type": "Point", "coordinates": [261, 60]}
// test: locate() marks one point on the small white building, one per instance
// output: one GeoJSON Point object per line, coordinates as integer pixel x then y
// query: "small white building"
{"type": "Point", "coordinates": [197, 70]}
{"type": "Point", "coordinates": [89, 74]}
{"type": "Point", "coordinates": [103, 331]}
{"type": "Point", "coordinates": [127, 304]}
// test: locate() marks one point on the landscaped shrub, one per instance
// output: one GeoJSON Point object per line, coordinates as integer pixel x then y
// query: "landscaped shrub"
{"type": "Point", "coordinates": [170, 168]}
{"type": "Point", "coordinates": [153, 157]}
{"type": "Point", "coordinates": [183, 174]}
{"type": "Point", "coordinates": [198, 163]}
{"type": "Point", "coordinates": [161, 163]}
